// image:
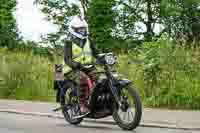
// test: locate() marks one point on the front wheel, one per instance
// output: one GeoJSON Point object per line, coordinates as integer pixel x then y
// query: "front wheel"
{"type": "Point", "coordinates": [128, 116]}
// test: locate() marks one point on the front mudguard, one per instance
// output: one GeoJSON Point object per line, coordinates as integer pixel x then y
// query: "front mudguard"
{"type": "Point", "coordinates": [122, 83]}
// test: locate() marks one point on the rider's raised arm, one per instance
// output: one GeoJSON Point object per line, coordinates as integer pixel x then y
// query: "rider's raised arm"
{"type": "Point", "coordinates": [93, 46]}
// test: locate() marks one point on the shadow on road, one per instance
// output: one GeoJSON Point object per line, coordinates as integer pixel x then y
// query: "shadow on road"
{"type": "Point", "coordinates": [96, 126]}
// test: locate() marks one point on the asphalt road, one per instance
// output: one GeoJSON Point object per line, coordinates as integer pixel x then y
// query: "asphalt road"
{"type": "Point", "coordinates": [14, 123]}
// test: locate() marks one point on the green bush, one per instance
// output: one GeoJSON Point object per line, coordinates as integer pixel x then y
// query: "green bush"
{"type": "Point", "coordinates": [166, 74]}
{"type": "Point", "coordinates": [25, 76]}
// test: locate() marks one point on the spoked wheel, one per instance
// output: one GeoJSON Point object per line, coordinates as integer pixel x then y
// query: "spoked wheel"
{"type": "Point", "coordinates": [69, 101]}
{"type": "Point", "coordinates": [128, 116]}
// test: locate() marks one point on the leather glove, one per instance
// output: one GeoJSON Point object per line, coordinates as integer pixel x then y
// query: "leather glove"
{"type": "Point", "coordinates": [77, 66]}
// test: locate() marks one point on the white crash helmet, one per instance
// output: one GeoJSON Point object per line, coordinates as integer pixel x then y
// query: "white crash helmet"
{"type": "Point", "coordinates": [78, 27]}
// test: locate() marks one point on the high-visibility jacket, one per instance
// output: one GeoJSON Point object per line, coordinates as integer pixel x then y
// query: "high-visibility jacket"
{"type": "Point", "coordinates": [81, 55]}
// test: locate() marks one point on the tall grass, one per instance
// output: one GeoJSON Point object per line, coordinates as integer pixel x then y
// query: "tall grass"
{"type": "Point", "coordinates": [25, 76]}
{"type": "Point", "coordinates": [166, 74]}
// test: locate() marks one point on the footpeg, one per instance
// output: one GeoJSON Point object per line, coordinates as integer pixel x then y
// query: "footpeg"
{"type": "Point", "coordinates": [60, 108]}
{"type": "Point", "coordinates": [80, 116]}
{"type": "Point", "coordinates": [57, 109]}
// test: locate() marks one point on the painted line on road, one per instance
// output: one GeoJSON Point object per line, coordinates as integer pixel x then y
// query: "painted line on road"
{"type": "Point", "coordinates": [30, 113]}
{"type": "Point", "coordinates": [143, 124]}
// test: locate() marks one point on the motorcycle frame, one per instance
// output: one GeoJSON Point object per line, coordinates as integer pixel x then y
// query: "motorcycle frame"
{"type": "Point", "coordinates": [114, 86]}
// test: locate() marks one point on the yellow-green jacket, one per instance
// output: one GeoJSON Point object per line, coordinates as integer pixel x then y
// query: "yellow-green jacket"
{"type": "Point", "coordinates": [75, 55]}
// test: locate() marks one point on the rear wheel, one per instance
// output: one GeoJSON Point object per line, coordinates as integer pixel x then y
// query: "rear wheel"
{"type": "Point", "coordinates": [69, 101]}
{"type": "Point", "coordinates": [128, 116]}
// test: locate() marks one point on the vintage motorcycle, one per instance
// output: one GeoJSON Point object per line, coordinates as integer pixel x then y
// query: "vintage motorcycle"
{"type": "Point", "coordinates": [110, 97]}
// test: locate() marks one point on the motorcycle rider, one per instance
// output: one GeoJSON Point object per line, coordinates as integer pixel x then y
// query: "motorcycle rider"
{"type": "Point", "coordinates": [79, 50]}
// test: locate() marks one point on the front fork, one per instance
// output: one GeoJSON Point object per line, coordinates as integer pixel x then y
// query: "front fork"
{"type": "Point", "coordinates": [115, 93]}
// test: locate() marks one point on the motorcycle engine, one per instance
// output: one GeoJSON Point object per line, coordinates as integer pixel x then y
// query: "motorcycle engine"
{"type": "Point", "coordinates": [104, 98]}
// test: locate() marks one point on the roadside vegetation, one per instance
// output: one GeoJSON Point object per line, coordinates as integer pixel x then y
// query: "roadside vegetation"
{"type": "Point", "coordinates": [157, 44]}
{"type": "Point", "coordinates": [25, 76]}
{"type": "Point", "coordinates": [165, 74]}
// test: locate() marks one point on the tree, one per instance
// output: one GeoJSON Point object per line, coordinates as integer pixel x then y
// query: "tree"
{"type": "Point", "coordinates": [98, 13]}
{"type": "Point", "coordinates": [101, 15]}
{"type": "Point", "coordinates": [8, 29]}
{"type": "Point", "coordinates": [137, 19]}
{"type": "Point", "coordinates": [127, 21]}
{"type": "Point", "coordinates": [182, 19]}
{"type": "Point", "coordinates": [58, 12]}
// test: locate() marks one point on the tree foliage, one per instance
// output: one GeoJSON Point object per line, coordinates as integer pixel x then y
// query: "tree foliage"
{"type": "Point", "coordinates": [182, 19]}
{"type": "Point", "coordinates": [132, 21]}
{"type": "Point", "coordinates": [8, 29]}
{"type": "Point", "coordinates": [137, 19]}
{"type": "Point", "coordinates": [101, 16]}
{"type": "Point", "coordinates": [98, 13]}
{"type": "Point", "coordinates": [141, 19]}
{"type": "Point", "coordinates": [58, 12]}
